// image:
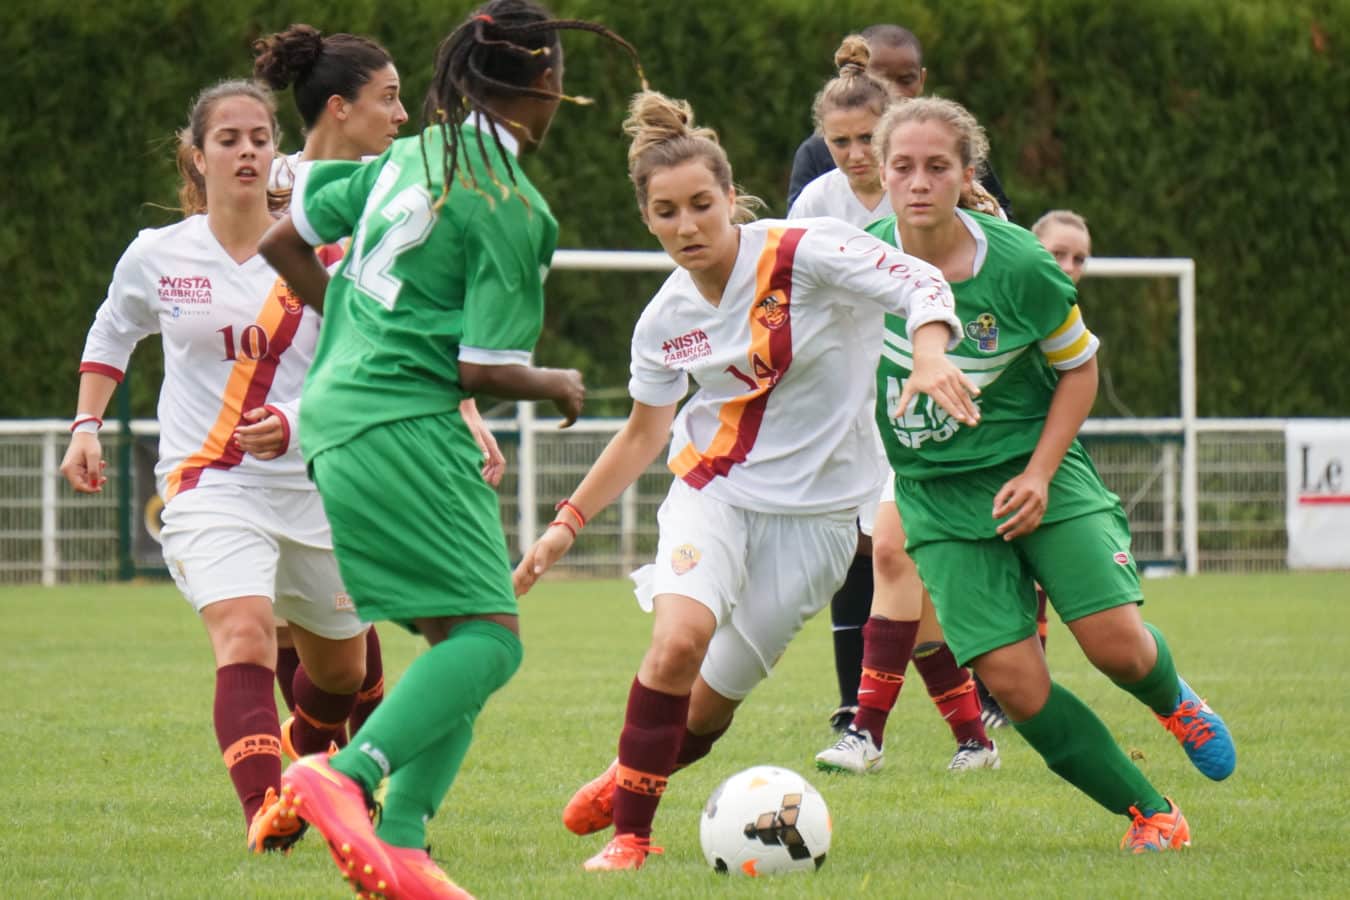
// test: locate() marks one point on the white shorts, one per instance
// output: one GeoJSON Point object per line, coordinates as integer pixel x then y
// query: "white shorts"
{"type": "Point", "coordinates": [222, 541]}
{"type": "Point", "coordinates": [761, 574]}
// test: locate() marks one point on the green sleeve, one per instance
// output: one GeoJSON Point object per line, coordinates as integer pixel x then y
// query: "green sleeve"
{"type": "Point", "coordinates": [506, 249]}
{"type": "Point", "coordinates": [328, 198]}
{"type": "Point", "coordinates": [1047, 294]}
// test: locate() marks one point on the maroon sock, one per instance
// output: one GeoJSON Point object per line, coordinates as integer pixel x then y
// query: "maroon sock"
{"type": "Point", "coordinates": [953, 691]}
{"type": "Point", "coordinates": [372, 689]}
{"type": "Point", "coordinates": [653, 729]}
{"type": "Point", "coordinates": [320, 717]}
{"type": "Point", "coordinates": [696, 746]}
{"type": "Point", "coordinates": [1042, 624]}
{"type": "Point", "coordinates": [248, 731]}
{"type": "Point", "coordinates": [288, 660]}
{"type": "Point", "coordinates": [887, 645]}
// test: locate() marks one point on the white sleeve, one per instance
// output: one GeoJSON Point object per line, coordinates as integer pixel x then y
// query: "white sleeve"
{"type": "Point", "coordinates": [855, 264]}
{"type": "Point", "coordinates": [805, 206]}
{"type": "Point", "coordinates": [651, 381]}
{"type": "Point", "coordinates": [128, 314]}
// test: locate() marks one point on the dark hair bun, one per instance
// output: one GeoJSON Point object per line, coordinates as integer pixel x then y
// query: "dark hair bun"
{"type": "Point", "coordinates": [286, 56]}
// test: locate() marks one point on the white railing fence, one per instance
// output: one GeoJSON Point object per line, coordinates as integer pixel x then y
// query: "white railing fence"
{"type": "Point", "coordinates": [49, 534]}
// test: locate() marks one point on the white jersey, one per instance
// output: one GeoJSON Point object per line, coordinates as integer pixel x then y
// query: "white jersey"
{"type": "Point", "coordinates": [830, 195]}
{"type": "Point", "coordinates": [234, 339]}
{"type": "Point", "coordinates": [782, 421]}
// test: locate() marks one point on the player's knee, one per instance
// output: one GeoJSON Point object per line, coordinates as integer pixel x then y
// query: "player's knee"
{"type": "Point", "coordinates": [673, 660]}
{"type": "Point", "coordinates": [891, 563]}
{"type": "Point", "coordinates": [335, 674]}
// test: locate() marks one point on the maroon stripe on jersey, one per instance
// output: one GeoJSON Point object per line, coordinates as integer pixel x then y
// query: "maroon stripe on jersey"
{"type": "Point", "coordinates": [771, 330]}
{"type": "Point", "coordinates": [256, 394]}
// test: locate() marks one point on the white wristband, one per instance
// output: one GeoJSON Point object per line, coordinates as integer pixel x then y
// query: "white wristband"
{"type": "Point", "coordinates": [86, 423]}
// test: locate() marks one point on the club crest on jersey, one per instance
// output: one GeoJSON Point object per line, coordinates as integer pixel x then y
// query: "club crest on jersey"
{"type": "Point", "coordinates": [772, 311]}
{"type": "Point", "coordinates": [984, 332]}
{"type": "Point", "coordinates": [1121, 558]}
{"type": "Point", "coordinates": [684, 557]}
{"type": "Point", "coordinates": [290, 301]}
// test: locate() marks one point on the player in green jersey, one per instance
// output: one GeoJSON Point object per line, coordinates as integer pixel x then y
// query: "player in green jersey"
{"type": "Point", "coordinates": [439, 297]}
{"type": "Point", "coordinates": [989, 511]}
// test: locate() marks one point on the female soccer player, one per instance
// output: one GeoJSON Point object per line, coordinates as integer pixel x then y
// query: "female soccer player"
{"type": "Point", "coordinates": [244, 531]}
{"type": "Point", "coordinates": [346, 90]}
{"type": "Point", "coordinates": [846, 112]}
{"type": "Point", "coordinates": [439, 297]}
{"type": "Point", "coordinates": [1065, 234]}
{"type": "Point", "coordinates": [991, 511]}
{"type": "Point", "coordinates": [777, 323]}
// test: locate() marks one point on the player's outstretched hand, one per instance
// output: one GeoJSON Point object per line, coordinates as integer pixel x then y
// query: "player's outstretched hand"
{"type": "Point", "coordinates": [266, 437]}
{"type": "Point", "coordinates": [84, 464]}
{"type": "Point", "coordinates": [939, 378]}
{"type": "Point", "coordinates": [570, 396]}
{"type": "Point", "coordinates": [1025, 498]}
{"type": "Point", "coordinates": [552, 544]}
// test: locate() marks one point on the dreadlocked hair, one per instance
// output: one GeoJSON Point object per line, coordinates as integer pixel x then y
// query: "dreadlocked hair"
{"type": "Point", "coordinates": [496, 53]}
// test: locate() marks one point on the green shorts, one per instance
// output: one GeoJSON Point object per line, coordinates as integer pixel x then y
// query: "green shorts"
{"type": "Point", "coordinates": [985, 591]}
{"type": "Point", "coordinates": [416, 529]}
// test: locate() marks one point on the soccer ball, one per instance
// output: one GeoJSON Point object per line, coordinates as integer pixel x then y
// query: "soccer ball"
{"type": "Point", "coordinates": [764, 821]}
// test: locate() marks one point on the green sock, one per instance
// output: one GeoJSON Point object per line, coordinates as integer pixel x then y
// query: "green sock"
{"type": "Point", "coordinates": [444, 686]}
{"type": "Point", "coordinates": [1077, 747]}
{"type": "Point", "coordinates": [417, 789]}
{"type": "Point", "coordinates": [1159, 689]}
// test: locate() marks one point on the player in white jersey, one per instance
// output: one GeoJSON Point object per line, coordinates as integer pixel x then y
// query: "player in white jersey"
{"type": "Point", "coordinates": [845, 113]}
{"type": "Point", "coordinates": [775, 321]}
{"type": "Point", "coordinates": [244, 530]}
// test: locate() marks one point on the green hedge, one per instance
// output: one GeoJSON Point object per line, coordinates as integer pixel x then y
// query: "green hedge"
{"type": "Point", "coordinates": [1178, 127]}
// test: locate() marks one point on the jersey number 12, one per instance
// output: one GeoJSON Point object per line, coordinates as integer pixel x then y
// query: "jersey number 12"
{"type": "Point", "coordinates": [410, 219]}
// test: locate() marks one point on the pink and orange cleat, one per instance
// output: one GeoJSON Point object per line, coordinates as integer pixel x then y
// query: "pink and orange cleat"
{"type": "Point", "coordinates": [338, 807]}
{"type": "Point", "coordinates": [1160, 831]}
{"type": "Point", "coordinates": [624, 852]}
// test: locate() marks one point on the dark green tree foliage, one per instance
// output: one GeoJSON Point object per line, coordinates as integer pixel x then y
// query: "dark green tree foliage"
{"type": "Point", "coordinates": [1178, 127]}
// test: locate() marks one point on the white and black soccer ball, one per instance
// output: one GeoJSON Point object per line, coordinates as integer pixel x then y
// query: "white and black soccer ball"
{"type": "Point", "coordinates": [764, 821]}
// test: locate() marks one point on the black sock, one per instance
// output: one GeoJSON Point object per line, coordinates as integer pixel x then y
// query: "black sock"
{"type": "Point", "coordinates": [849, 610]}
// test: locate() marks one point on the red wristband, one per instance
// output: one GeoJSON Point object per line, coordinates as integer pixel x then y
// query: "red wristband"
{"type": "Point", "coordinates": [567, 525]}
{"type": "Point", "coordinates": [84, 420]}
{"type": "Point", "coordinates": [572, 507]}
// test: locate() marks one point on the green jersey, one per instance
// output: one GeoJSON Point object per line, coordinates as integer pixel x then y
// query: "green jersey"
{"type": "Point", "coordinates": [1021, 323]}
{"type": "Point", "coordinates": [420, 288]}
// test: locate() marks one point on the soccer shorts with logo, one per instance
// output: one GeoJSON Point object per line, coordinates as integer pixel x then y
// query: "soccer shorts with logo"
{"type": "Point", "coordinates": [985, 591]}
{"type": "Point", "coordinates": [761, 574]}
{"type": "Point", "coordinates": [228, 540]}
{"type": "Point", "coordinates": [417, 530]}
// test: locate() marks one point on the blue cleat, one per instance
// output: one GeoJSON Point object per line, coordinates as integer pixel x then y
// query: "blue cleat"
{"type": "Point", "coordinates": [1202, 734]}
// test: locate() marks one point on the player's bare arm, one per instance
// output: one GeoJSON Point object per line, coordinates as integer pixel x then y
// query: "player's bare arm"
{"type": "Point", "coordinates": [294, 259]}
{"type": "Point", "coordinates": [563, 386]}
{"type": "Point", "coordinates": [623, 460]}
{"type": "Point", "coordinates": [1026, 496]}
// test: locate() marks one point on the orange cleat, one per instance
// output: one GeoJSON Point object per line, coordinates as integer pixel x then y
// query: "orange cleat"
{"type": "Point", "coordinates": [624, 852]}
{"type": "Point", "coordinates": [1160, 831]}
{"type": "Point", "coordinates": [338, 807]}
{"type": "Point", "coordinates": [288, 747]}
{"type": "Point", "coordinates": [591, 808]}
{"type": "Point", "coordinates": [419, 877]}
{"type": "Point", "coordinates": [274, 826]}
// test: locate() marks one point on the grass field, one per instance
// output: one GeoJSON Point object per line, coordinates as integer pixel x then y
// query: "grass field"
{"type": "Point", "coordinates": [111, 786]}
